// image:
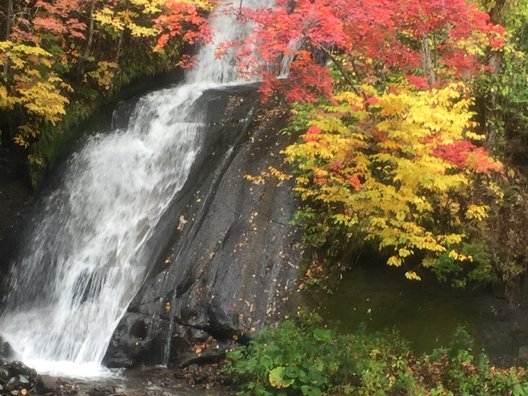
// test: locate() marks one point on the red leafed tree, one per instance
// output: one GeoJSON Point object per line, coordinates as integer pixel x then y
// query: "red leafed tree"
{"type": "Point", "coordinates": [182, 19]}
{"type": "Point", "coordinates": [56, 25]}
{"type": "Point", "coordinates": [60, 18]}
{"type": "Point", "coordinates": [465, 155]}
{"type": "Point", "coordinates": [429, 41]}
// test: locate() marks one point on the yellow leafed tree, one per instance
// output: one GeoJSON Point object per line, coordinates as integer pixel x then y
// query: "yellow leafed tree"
{"type": "Point", "coordinates": [398, 170]}
{"type": "Point", "coordinates": [31, 85]}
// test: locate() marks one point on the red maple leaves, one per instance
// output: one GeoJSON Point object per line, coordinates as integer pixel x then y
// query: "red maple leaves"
{"type": "Point", "coordinates": [465, 155]}
{"type": "Point", "coordinates": [181, 19]}
{"type": "Point", "coordinates": [428, 40]}
{"type": "Point", "coordinates": [61, 18]}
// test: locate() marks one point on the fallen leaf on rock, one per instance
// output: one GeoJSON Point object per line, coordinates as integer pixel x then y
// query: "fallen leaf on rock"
{"type": "Point", "coordinates": [182, 223]}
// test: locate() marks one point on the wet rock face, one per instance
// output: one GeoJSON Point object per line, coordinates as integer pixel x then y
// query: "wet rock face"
{"type": "Point", "coordinates": [14, 191]}
{"type": "Point", "coordinates": [6, 351]}
{"type": "Point", "coordinates": [233, 255]}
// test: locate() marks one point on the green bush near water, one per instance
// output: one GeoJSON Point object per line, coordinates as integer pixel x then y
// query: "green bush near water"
{"type": "Point", "coordinates": [302, 357]}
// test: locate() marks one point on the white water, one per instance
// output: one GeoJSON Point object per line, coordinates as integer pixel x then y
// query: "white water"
{"type": "Point", "coordinates": [87, 257]}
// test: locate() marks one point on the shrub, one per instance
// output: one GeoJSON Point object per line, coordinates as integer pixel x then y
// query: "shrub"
{"type": "Point", "coordinates": [303, 357]}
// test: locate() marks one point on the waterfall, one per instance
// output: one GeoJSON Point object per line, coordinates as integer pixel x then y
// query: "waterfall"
{"type": "Point", "coordinates": [88, 253]}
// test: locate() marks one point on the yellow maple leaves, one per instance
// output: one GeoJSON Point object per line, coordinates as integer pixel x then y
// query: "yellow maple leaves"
{"type": "Point", "coordinates": [375, 169]}
{"type": "Point", "coordinates": [117, 20]}
{"type": "Point", "coordinates": [36, 89]}
{"type": "Point", "coordinates": [121, 15]}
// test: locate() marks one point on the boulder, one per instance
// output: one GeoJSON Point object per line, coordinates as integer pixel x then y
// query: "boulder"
{"type": "Point", "coordinates": [48, 384]}
{"type": "Point", "coordinates": [6, 351]}
{"type": "Point", "coordinates": [17, 378]}
{"type": "Point", "coordinates": [232, 257]}
{"type": "Point", "coordinates": [523, 354]}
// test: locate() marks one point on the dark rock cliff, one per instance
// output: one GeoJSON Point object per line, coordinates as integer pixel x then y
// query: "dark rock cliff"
{"type": "Point", "coordinates": [14, 192]}
{"type": "Point", "coordinates": [229, 256]}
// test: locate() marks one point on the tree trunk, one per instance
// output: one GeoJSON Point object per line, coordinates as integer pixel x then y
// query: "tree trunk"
{"type": "Point", "coordinates": [120, 46]}
{"type": "Point", "coordinates": [89, 42]}
{"type": "Point", "coordinates": [427, 61]}
{"type": "Point", "coordinates": [491, 115]}
{"type": "Point", "coordinates": [496, 13]}
{"type": "Point", "coordinates": [9, 18]}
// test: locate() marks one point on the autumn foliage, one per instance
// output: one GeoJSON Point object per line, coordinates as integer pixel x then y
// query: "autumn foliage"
{"type": "Point", "coordinates": [428, 42]}
{"type": "Point", "coordinates": [56, 52]}
{"type": "Point", "coordinates": [388, 151]}
{"type": "Point", "coordinates": [384, 172]}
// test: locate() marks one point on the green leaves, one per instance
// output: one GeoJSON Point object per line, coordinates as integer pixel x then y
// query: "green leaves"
{"type": "Point", "coordinates": [309, 360]}
{"type": "Point", "coordinates": [520, 390]}
{"type": "Point", "coordinates": [323, 334]}
{"type": "Point", "coordinates": [284, 377]}
{"type": "Point", "coordinates": [308, 390]}
{"type": "Point", "coordinates": [301, 357]}
{"type": "Point", "coordinates": [278, 380]}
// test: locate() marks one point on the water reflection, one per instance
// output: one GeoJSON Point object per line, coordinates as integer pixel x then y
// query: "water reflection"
{"type": "Point", "coordinates": [425, 313]}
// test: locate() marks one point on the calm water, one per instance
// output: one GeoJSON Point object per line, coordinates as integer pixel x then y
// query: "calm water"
{"type": "Point", "coordinates": [425, 314]}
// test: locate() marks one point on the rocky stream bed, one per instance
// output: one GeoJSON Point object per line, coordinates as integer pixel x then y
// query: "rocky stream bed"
{"type": "Point", "coordinates": [16, 379]}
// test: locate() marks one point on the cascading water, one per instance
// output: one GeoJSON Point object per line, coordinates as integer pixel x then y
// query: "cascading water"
{"type": "Point", "coordinates": [88, 257]}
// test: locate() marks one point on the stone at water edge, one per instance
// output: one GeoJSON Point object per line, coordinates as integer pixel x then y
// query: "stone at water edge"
{"type": "Point", "coordinates": [24, 381]}
{"type": "Point", "coordinates": [48, 384]}
{"type": "Point", "coordinates": [12, 384]}
{"type": "Point", "coordinates": [6, 351]}
{"type": "Point", "coordinates": [523, 354]}
{"type": "Point", "coordinates": [102, 390]}
{"type": "Point", "coordinates": [234, 266]}
{"type": "Point", "coordinates": [17, 379]}
{"type": "Point", "coordinates": [4, 375]}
